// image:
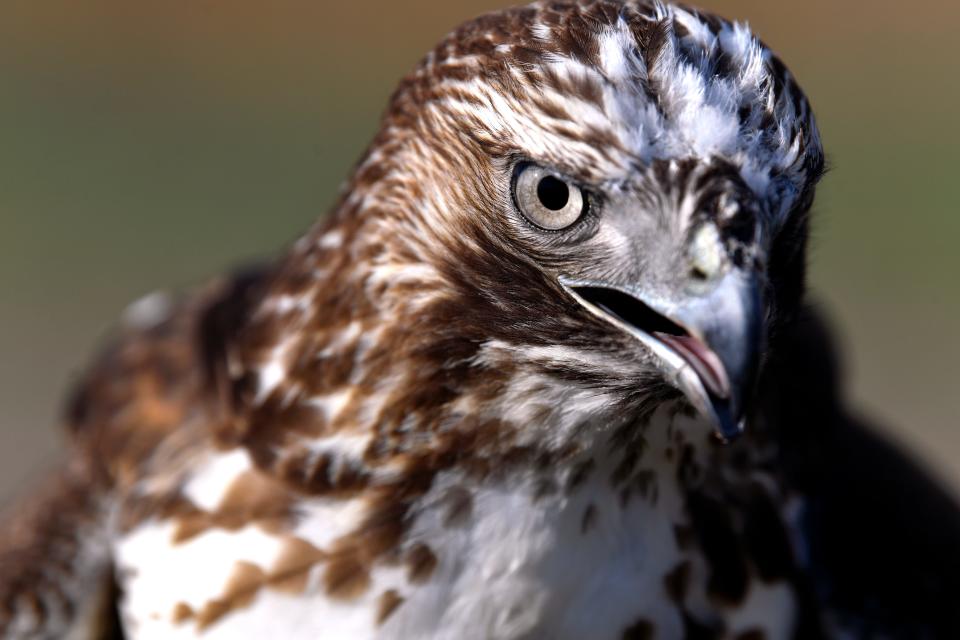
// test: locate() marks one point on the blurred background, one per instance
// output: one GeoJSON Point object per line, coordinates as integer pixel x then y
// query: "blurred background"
{"type": "Point", "coordinates": [150, 145]}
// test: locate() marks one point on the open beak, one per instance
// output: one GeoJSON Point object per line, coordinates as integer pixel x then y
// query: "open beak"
{"type": "Point", "coordinates": [707, 345]}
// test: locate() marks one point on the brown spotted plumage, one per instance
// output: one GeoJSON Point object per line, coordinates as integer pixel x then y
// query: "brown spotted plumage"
{"type": "Point", "coordinates": [544, 372]}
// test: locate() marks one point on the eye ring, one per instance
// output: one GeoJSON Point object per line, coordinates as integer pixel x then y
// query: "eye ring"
{"type": "Point", "coordinates": [546, 199]}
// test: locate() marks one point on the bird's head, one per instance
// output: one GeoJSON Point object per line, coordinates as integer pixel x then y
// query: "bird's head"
{"type": "Point", "coordinates": [606, 200]}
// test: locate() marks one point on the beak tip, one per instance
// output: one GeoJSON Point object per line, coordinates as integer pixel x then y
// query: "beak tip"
{"type": "Point", "coordinates": [729, 427]}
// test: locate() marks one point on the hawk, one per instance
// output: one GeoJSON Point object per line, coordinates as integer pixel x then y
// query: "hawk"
{"type": "Point", "coordinates": [545, 372]}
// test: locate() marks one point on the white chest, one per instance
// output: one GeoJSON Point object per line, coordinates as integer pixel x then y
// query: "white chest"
{"type": "Point", "coordinates": [570, 564]}
{"type": "Point", "coordinates": [573, 553]}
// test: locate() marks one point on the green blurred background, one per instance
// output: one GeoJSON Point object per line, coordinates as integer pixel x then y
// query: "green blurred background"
{"type": "Point", "coordinates": [149, 145]}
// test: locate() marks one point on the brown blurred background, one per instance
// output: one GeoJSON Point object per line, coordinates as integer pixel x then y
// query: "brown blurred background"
{"type": "Point", "coordinates": [149, 145]}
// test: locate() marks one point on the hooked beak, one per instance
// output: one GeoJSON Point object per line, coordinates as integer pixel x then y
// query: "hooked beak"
{"type": "Point", "coordinates": [708, 345]}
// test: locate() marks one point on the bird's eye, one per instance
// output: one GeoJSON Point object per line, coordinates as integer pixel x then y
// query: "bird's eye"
{"type": "Point", "coordinates": [547, 200]}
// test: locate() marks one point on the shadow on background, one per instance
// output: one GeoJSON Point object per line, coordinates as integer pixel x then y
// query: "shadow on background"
{"type": "Point", "coordinates": [149, 145]}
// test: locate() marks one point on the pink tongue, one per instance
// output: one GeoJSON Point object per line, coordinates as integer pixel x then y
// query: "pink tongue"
{"type": "Point", "coordinates": [704, 361]}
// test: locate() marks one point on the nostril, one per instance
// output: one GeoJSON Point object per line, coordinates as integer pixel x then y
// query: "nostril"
{"type": "Point", "coordinates": [696, 273]}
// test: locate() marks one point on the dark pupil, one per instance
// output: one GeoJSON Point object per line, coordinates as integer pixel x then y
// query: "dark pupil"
{"type": "Point", "coordinates": [553, 193]}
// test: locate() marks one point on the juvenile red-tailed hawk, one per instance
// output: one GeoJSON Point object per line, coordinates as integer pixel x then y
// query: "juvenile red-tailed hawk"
{"type": "Point", "coordinates": [543, 373]}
